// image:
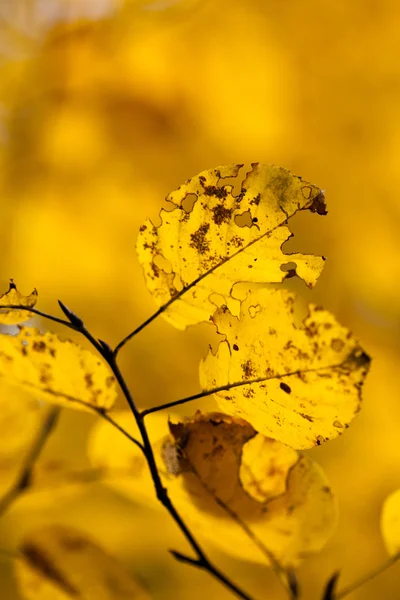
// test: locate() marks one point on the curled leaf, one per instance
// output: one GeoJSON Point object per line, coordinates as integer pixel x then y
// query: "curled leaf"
{"type": "Point", "coordinates": [299, 384]}
{"type": "Point", "coordinates": [13, 316]}
{"type": "Point", "coordinates": [62, 563]}
{"type": "Point", "coordinates": [240, 487]}
{"type": "Point", "coordinates": [57, 371]}
{"type": "Point", "coordinates": [223, 239]}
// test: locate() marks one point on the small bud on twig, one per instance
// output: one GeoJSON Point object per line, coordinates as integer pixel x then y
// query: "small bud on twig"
{"type": "Point", "coordinates": [72, 317]}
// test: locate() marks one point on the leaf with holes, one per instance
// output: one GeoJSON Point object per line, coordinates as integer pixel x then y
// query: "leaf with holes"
{"type": "Point", "coordinates": [62, 563]}
{"type": "Point", "coordinates": [297, 383]}
{"type": "Point", "coordinates": [13, 316]}
{"type": "Point", "coordinates": [60, 372]}
{"type": "Point", "coordinates": [212, 239]}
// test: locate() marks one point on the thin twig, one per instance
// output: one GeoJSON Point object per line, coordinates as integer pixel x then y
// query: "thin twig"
{"type": "Point", "coordinates": [356, 584]}
{"type": "Point", "coordinates": [201, 561]}
{"type": "Point", "coordinates": [24, 480]}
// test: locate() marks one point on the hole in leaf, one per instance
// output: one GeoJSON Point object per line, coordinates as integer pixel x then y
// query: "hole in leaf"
{"type": "Point", "coordinates": [188, 202]}
{"type": "Point", "coordinates": [244, 220]}
{"type": "Point", "coordinates": [162, 263]}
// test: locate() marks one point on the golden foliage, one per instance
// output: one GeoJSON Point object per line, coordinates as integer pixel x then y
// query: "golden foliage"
{"type": "Point", "coordinates": [14, 298]}
{"type": "Point", "coordinates": [223, 239]}
{"type": "Point", "coordinates": [62, 563]}
{"type": "Point", "coordinates": [297, 384]}
{"type": "Point", "coordinates": [60, 372]}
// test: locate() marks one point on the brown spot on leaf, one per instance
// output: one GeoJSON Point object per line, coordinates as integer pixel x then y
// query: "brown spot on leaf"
{"type": "Point", "coordinates": [221, 214]}
{"type": "Point", "coordinates": [109, 381]}
{"type": "Point", "coordinates": [142, 228]}
{"type": "Point", "coordinates": [337, 345]}
{"type": "Point", "coordinates": [307, 417]}
{"type": "Point", "coordinates": [39, 346]}
{"type": "Point", "coordinates": [285, 387]}
{"type": "Point", "coordinates": [235, 347]}
{"type": "Point", "coordinates": [89, 380]}
{"type": "Point", "coordinates": [213, 190]}
{"type": "Point", "coordinates": [199, 241]}
{"type": "Point", "coordinates": [256, 200]}
{"type": "Point", "coordinates": [320, 440]}
{"type": "Point", "coordinates": [248, 369]}
{"type": "Point", "coordinates": [237, 241]}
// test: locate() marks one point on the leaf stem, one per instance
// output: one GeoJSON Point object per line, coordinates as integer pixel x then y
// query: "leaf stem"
{"type": "Point", "coordinates": [24, 480]}
{"type": "Point", "coordinates": [359, 582]}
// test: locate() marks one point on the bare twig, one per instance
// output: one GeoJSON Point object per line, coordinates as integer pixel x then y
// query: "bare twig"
{"type": "Point", "coordinates": [356, 584]}
{"type": "Point", "coordinates": [24, 480]}
{"type": "Point", "coordinates": [201, 561]}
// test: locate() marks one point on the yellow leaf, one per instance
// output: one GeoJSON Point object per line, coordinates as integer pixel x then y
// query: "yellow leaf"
{"type": "Point", "coordinates": [390, 522]}
{"type": "Point", "coordinates": [60, 372]}
{"type": "Point", "coordinates": [11, 316]}
{"type": "Point", "coordinates": [62, 563]}
{"type": "Point", "coordinates": [299, 384]}
{"type": "Point", "coordinates": [20, 418]}
{"type": "Point", "coordinates": [228, 480]}
{"type": "Point", "coordinates": [125, 468]}
{"type": "Point", "coordinates": [224, 239]}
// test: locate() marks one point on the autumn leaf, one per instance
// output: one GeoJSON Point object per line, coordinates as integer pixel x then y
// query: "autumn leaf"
{"type": "Point", "coordinates": [299, 384]}
{"type": "Point", "coordinates": [61, 563]}
{"type": "Point", "coordinates": [224, 239]}
{"type": "Point", "coordinates": [60, 372]}
{"type": "Point", "coordinates": [13, 316]}
{"type": "Point", "coordinates": [236, 485]}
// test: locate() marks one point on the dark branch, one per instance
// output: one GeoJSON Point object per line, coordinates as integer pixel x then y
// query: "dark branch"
{"type": "Point", "coordinates": [161, 492]}
{"type": "Point", "coordinates": [24, 480]}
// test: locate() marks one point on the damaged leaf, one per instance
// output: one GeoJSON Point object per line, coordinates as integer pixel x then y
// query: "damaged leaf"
{"type": "Point", "coordinates": [236, 486]}
{"type": "Point", "coordinates": [223, 477]}
{"type": "Point", "coordinates": [13, 316]}
{"type": "Point", "coordinates": [225, 239]}
{"type": "Point", "coordinates": [60, 372]}
{"type": "Point", "coordinates": [62, 563]}
{"type": "Point", "coordinates": [299, 384]}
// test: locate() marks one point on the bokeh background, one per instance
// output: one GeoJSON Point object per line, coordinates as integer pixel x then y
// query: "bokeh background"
{"type": "Point", "coordinates": [108, 105]}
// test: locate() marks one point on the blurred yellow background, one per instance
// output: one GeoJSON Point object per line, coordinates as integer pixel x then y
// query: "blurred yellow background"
{"type": "Point", "coordinates": [108, 105]}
